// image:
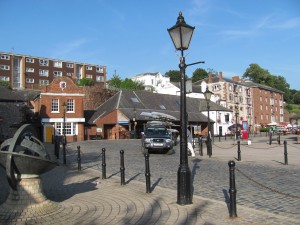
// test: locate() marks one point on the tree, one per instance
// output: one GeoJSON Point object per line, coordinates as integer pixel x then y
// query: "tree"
{"type": "Point", "coordinates": [118, 83]}
{"type": "Point", "coordinates": [174, 75]}
{"type": "Point", "coordinates": [257, 74]}
{"type": "Point", "coordinates": [132, 85]}
{"type": "Point", "coordinates": [115, 82]}
{"type": "Point", "coordinates": [296, 98]}
{"type": "Point", "coordinates": [5, 84]}
{"type": "Point", "coordinates": [199, 74]}
{"type": "Point", "coordinates": [86, 82]}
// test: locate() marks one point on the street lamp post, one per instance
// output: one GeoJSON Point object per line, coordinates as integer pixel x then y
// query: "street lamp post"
{"type": "Point", "coordinates": [134, 122]}
{"type": "Point", "coordinates": [64, 141]}
{"type": "Point", "coordinates": [236, 116]}
{"type": "Point", "coordinates": [181, 35]}
{"type": "Point", "coordinates": [207, 95]}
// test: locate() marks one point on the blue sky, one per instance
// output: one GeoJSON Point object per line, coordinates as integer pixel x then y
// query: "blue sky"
{"type": "Point", "coordinates": [130, 37]}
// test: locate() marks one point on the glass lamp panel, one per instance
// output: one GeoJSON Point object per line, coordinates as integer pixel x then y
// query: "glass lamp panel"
{"type": "Point", "coordinates": [187, 34]}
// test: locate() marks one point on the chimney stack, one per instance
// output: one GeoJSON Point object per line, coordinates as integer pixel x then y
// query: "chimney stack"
{"type": "Point", "coordinates": [209, 78]}
{"type": "Point", "coordinates": [220, 77]}
{"type": "Point", "coordinates": [236, 78]}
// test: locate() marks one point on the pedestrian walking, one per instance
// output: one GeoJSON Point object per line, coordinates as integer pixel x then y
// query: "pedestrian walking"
{"type": "Point", "coordinates": [190, 143]}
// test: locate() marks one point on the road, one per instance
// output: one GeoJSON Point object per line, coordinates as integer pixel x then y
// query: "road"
{"type": "Point", "coordinates": [263, 181]}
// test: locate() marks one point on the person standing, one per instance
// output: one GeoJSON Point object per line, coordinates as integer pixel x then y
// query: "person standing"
{"type": "Point", "coordinates": [190, 143]}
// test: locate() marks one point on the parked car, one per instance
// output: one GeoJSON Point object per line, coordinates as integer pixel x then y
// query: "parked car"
{"type": "Point", "coordinates": [156, 138]}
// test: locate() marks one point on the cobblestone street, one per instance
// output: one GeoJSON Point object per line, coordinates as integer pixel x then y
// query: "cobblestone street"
{"type": "Point", "coordinates": [263, 181]}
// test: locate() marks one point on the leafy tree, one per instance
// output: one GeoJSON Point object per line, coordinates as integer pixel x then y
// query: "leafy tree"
{"type": "Point", "coordinates": [5, 84]}
{"type": "Point", "coordinates": [118, 83]}
{"type": "Point", "coordinates": [199, 74]}
{"type": "Point", "coordinates": [86, 82]}
{"type": "Point", "coordinates": [115, 82]}
{"type": "Point", "coordinates": [257, 74]}
{"type": "Point", "coordinates": [174, 75]}
{"type": "Point", "coordinates": [296, 98]}
{"type": "Point", "coordinates": [132, 85]}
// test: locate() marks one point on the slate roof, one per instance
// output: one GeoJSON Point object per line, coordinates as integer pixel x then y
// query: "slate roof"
{"type": "Point", "coordinates": [154, 102]}
{"type": "Point", "coordinates": [7, 95]}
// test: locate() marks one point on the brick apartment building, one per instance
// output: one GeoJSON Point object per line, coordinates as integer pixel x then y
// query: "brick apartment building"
{"type": "Point", "coordinates": [258, 104]}
{"type": "Point", "coordinates": [61, 103]}
{"type": "Point", "coordinates": [31, 72]}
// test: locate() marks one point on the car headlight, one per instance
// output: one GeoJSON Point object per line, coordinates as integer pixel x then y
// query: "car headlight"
{"type": "Point", "coordinates": [147, 139]}
{"type": "Point", "coordinates": [168, 140]}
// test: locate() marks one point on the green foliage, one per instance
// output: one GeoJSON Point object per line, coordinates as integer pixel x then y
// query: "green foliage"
{"type": "Point", "coordinates": [264, 129]}
{"type": "Point", "coordinates": [118, 83]}
{"type": "Point", "coordinates": [174, 75]}
{"type": "Point", "coordinates": [199, 74]}
{"type": "Point", "coordinates": [293, 108]}
{"type": "Point", "coordinates": [262, 76]}
{"type": "Point", "coordinates": [5, 84]}
{"type": "Point", "coordinates": [86, 82]}
{"type": "Point", "coordinates": [296, 98]}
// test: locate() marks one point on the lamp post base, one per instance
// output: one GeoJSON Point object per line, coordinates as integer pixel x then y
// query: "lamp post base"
{"type": "Point", "coordinates": [184, 185]}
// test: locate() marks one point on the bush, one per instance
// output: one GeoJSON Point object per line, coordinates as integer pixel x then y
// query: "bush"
{"type": "Point", "coordinates": [265, 129]}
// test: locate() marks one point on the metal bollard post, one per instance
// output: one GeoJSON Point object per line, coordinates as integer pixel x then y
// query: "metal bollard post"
{"type": "Point", "coordinates": [232, 189]}
{"type": "Point", "coordinates": [122, 168]}
{"type": "Point", "coordinates": [103, 164]}
{"type": "Point", "coordinates": [278, 139]}
{"type": "Point", "coordinates": [147, 173]}
{"type": "Point", "coordinates": [225, 136]}
{"type": "Point", "coordinates": [239, 150]}
{"type": "Point", "coordinates": [200, 146]}
{"type": "Point", "coordinates": [270, 138]}
{"type": "Point", "coordinates": [78, 158]}
{"type": "Point", "coordinates": [56, 148]}
{"type": "Point", "coordinates": [285, 153]}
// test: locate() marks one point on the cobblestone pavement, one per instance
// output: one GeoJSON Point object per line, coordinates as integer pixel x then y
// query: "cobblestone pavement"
{"type": "Point", "coordinates": [267, 190]}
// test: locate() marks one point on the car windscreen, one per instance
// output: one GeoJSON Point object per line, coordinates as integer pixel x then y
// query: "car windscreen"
{"type": "Point", "coordinates": [155, 131]}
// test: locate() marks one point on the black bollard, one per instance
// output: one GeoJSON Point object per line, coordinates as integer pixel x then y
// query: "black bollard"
{"type": "Point", "coordinates": [56, 148]}
{"type": "Point", "coordinates": [147, 173]}
{"type": "Point", "coordinates": [78, 158]}
{"type": "Point", "coordinates": [270, 138]}
{"type": "Point", "coordinates": [278, 138]}
{"type": "Point", "coordinates": [285, 153]}
{"type": "Point", "coordinates": [232, 189]}
{"type": "Point", "coordinates": [200, 146]}
{"type": "Point", "coordinates": [122, 168]}
{"type": "Point", "coordinates": [103, 164]}
{"type": "Point", "coordinates": [239, 150]}
{"type": "Point", "coordinates": [225, 136]}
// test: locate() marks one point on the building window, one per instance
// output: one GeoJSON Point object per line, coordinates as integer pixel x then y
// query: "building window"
{"type": "Point", "coordinates": [4, 78]}
{"type": "Point", "coordinates": [89, 76]}
{"type": "Point", "coordinates": [70, 65]}
{"type": "Point", "coordinates": [44, 62]}
{"type": "Point", "coordinates": [43, 82]}
{"type": "Point", "coordinates": [230, 97]}
{"type": "Point", "coordinates": [57, 73]}
{"type": "Point", "coordinates": [89, 68]}
{"type": "Point", "coordinates": [70, 105]}
{"type": "Point", "coordinates": [29, 70]}
{"type": "Point", "coordinates": [57, 64]}
{"type": "Point", "coordinates": [162, 107]}
{"type": "Point", "coordinates": [99, 78]}
{"type": "Point", "coordinates": [54, 105]}
{"type": "Point", "coordinates": [5, 67]}
{"type": "Point", "coordinates": [99, 69]}
{"type": "Point", "coordinates": [70, 128]}
{"type": "Point", "coordinates": [69, 74]}
{"type": "Point", "coordinates": [29, 60]}
{"type": "Point", "coordinates": [44, 73]}
{"type": "Point", "coordinates": [30, 80]}
{"type": "Point", "coordinates": [6, 57]}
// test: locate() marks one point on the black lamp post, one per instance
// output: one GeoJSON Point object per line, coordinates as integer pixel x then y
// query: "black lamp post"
{"type": "Point", "coordinates": [64, 141]}
{"type": "Point", "coordinates": [236, 116]}
{"type": "Point", "coordinates": [181, 35]}
{"type": "Point", "coordinates": [134, 122]}
{"type": "Point", "coordinates": [207, 95]}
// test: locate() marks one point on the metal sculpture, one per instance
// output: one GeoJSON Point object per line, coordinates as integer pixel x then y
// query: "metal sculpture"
{"type": "Point", "coordinates": [24, 156]}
